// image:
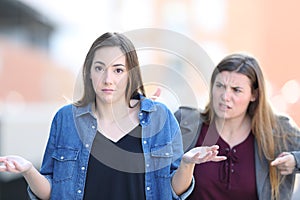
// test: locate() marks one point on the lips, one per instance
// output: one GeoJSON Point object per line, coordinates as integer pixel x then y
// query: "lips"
{"type": "Point", "coordinates": [107, 90]}
{"type": "Point", "coordinates": [224, 106]}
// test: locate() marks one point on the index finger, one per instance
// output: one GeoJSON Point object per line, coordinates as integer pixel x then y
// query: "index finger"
{"type": "Point", "coordinates": [212, 148]}
{"type": "Point", "coordinates": [2, 159]}
{"type": "Point", "coordinates": [279, 161]}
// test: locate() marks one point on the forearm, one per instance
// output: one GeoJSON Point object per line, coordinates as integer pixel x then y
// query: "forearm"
{"type": "Point", "coordinates": [182, 178]}
{"type": "Point", "coordinates": [38, 184]}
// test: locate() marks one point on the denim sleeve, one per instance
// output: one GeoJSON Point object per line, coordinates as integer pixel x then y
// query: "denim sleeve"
{"type": "Point", "coordinates": [31, 195]}
{"type": "Point", "coordinates": [47, 164]}
{"type": "Point", "coordinates": [185, 194]}
{"type": "Point", "coordinates": [178, 153]}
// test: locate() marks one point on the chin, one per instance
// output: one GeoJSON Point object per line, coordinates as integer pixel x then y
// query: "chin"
{"type": "Point", "coordinates": [222, 115]}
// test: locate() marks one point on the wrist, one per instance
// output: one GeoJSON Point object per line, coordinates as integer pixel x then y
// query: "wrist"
{"type": "Point", "coordinates": [187, 164]}
{"type": "Point", "coordinates": [28, 171]}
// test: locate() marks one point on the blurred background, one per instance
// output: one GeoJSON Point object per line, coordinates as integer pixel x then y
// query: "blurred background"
{"type": "Point", "coordinates": [43, 44]}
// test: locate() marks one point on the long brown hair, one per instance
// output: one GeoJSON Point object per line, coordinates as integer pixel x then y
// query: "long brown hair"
{"type": "Point", "coordinates": [264, 121]}
{"type": "Point", "coordinates": [135, 83]}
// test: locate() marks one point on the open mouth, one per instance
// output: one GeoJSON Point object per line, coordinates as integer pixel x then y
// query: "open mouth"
{"type": "Point", "coordinates": [224, 106]}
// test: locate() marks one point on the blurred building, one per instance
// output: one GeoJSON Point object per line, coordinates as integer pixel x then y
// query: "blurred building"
{"type": "Point", "coordinates": [267, 29]}
{"type": "Point", "coordinates": [24, 25]}
{"type": "Point", "coordinates": [32, 85]}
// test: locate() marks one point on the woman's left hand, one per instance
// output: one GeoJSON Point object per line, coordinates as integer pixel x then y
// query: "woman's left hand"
{"type": "Point", "coordinates": [203, 154]}
{"type": "Point", "coordinates": [285, 163]}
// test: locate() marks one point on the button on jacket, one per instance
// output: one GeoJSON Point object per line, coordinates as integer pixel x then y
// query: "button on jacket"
{"type": "Point", "coordinates": [72, 133]}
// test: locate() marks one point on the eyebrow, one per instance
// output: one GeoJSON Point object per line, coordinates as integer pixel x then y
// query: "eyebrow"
{"type": "Point", "coordinates": [99, 62]}
{"type": "Point", "coordinates": [234, 87]}
{"type": "Point", "coordinates": [115, 65]}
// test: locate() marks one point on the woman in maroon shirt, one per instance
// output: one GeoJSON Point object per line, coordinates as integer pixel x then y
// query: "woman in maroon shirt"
{"type": "Point", "coordinates": [262, 149]}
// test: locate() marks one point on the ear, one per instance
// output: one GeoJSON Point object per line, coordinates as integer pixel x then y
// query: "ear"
{"type": "Point", "coordinates": [254, 95]}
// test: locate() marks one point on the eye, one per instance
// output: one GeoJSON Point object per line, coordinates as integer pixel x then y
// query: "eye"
{"type": "Point", "coordinates": [237, 90]}
{"type": "Point", "coordinates": [219, 85]}
{"type": "Point", "coordinates": [119, 70]}
{"type": "Point", "coordinates": [99, 69]}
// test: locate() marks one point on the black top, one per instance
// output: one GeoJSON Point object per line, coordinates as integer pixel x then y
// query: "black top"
{"type": "Point", "coordinates": [116, 170]}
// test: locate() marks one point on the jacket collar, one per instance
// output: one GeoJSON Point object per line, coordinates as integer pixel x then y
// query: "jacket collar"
{"type": "Point", "coordinates": [79, 111]}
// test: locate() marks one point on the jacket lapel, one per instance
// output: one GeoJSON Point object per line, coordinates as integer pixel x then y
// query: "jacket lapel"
{"type": "Point", "coordinates": [261, 172]}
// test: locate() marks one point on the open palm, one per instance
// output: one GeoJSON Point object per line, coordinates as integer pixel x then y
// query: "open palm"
{"type": "Point", "coordinates": [14, 164]}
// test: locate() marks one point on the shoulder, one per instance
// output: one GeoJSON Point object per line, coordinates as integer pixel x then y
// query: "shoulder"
{"type": "Point", "coordinates": [186, 110]}
{"type": "Point", "coordinates": [287, 124]}
{"type": "Point", "coordinates": [64, 112]}
{"type": "Point", "coordinates": [65, 109]}
{"type": "Point", "coordinates": [149, 105]}
{"type": "Point", "coordinates": [284, 120]}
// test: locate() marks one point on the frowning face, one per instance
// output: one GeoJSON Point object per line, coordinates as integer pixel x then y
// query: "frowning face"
{"type": "Point", "coordinates": [231, 95]}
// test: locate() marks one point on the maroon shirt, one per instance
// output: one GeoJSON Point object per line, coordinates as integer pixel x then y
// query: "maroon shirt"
{"type": "Point", "coordinates": [231, 179]}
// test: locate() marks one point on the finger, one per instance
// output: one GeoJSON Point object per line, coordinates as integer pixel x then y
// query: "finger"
{"type": "Point", "coordinates": [283, 154]}
{"type": "Point", "coordinates": [279, 160]}
{"type": "Point", "coordinates": [2, 167]}
{"type": "Point", "coordinates": [157, 92]}
{"type": "Point", "coordinates": [212, 148]}
{"type": "Point", "coordinates": [3, 159]}
{"type": "Point", "coordinates": [200, 155]}
{"type": "Point", "coordinates": [219, 158]}
{"type": "Point", "coordinates": [282, 157]}
{"type": "Point", "coordinates": [286, 172]}
{"type": "Point", "coordinates": [16, 165]}
{"type": "Point", "coordinates": [201, 159]}
{"type": "Point", "coordinates": [10, 166]}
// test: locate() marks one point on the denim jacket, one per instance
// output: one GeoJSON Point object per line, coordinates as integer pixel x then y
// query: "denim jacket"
{"type": "Point", "coordinates": [191, 123]}
{"type": "Point", "coordinates": [72, 133]}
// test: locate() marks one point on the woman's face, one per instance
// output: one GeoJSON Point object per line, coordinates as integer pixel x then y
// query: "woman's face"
{"type": "Point", "coordinates": [231, 95]}
{"type": "Point", "coordinates": [109, 75]}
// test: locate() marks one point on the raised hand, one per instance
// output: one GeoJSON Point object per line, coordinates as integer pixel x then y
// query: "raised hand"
{"type": "Point", "coordinates": [156, 94]}
{"type": "Point", "coordinates": [203, 154]}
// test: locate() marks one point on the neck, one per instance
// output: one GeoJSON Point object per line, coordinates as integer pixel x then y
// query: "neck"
{"type": "Point", "coordinates": [233, 126]}
{"type": "Point", "coordinates": [115, 121]}
{"type": "Point", "coordinates": [110, 112]}
{"type": "Point", "coordinates": [234, 131]}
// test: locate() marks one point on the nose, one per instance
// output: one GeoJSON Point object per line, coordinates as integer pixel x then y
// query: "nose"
{"type": "Point", "coordinates": [107, 77]}
{"type": "Point", "coordinates": [226, 95]}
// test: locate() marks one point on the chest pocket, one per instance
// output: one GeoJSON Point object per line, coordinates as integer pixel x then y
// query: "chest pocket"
{"type": "Point", "coordinates": [162, 157]}
{"type": "Point", "coordinates": [64, 163]}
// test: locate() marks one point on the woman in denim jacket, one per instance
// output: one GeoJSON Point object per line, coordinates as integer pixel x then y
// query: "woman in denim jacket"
{"type": "Point", "coordinates": [262, 149]}
{"type": "Point", "coordinates": [113, 143]}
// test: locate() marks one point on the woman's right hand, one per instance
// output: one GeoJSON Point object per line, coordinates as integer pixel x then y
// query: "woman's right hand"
{"type": "Point", "coordinates": [203, 154]}
{"type": "Point", "coordinates": [14, 164]}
